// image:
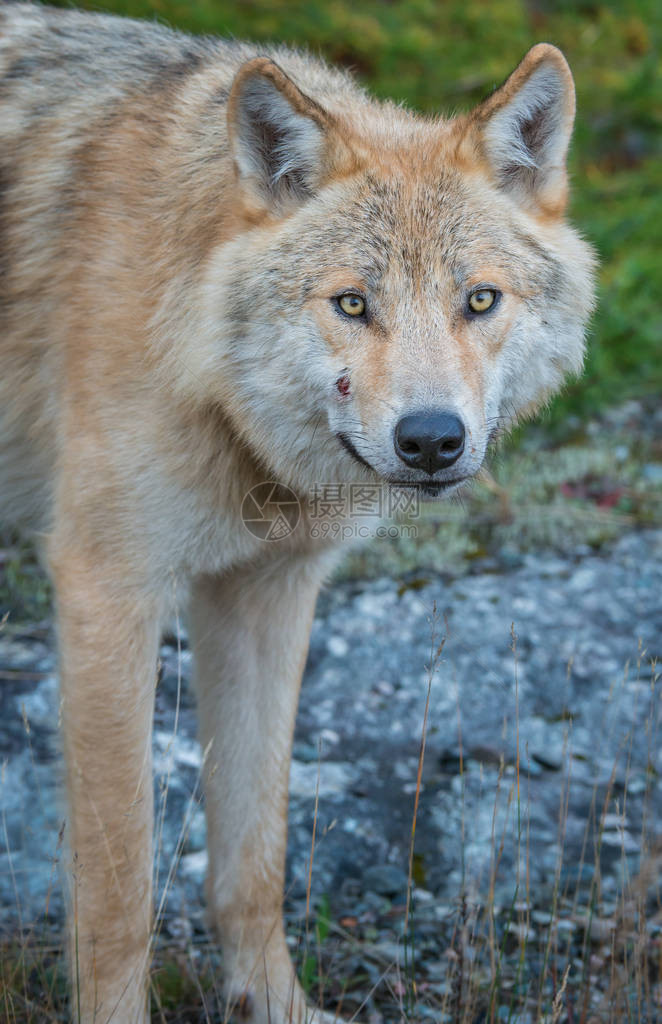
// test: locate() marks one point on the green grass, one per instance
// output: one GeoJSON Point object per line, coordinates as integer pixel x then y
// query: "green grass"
{"type": "Point", "coordinates": [446, 55]}
{"type": "Point", "coordinates": [24, 587]}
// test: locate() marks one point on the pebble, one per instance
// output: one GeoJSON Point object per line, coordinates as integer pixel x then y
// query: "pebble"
{"type": "Point", "coordinates": [652, 471]}
{"type": "Point", "coordinates": [579, 620]}
{"type": "Point", "coordinates": [337, 646]}
{"type": "Point", "coordinates": [385, 879]}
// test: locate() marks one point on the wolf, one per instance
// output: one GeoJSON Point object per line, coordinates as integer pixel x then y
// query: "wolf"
{"type": "Point", "coordinates": [223, 265]}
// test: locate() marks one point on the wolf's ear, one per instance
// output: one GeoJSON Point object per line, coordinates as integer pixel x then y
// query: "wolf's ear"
{"type": "Point", "coordinates": [523, 129]}
{"type": "Point", "coordinates": [277, 134]}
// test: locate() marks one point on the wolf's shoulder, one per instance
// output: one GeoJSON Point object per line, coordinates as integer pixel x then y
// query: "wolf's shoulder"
{"type": "Point", "coordinates": [68, 51]}
{"type": "Point", "coordinates": [41, 44]}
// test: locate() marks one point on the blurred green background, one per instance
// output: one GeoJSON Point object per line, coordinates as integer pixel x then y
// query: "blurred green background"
{"type": "Point", "coordinates": [446, 55]}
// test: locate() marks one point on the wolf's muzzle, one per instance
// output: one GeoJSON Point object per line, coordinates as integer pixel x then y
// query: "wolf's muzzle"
{"type": "Point", "coordinates": [429, 440]}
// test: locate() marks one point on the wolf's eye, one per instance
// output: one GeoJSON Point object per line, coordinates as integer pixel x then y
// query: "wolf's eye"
{"type": "Point", "coordinates": [482, 299]}
{"type": "Point", "coordinates": [351, 304]}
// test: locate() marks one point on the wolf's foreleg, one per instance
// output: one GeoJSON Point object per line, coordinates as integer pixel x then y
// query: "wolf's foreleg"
{"type": "Point", "coordinates": [250, 632]}
{"type": "Point", "coordinates": [108, 648]}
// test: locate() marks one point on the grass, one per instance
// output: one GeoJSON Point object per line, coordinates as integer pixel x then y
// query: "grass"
{"type": "Point", "coordinates": [24, 587]}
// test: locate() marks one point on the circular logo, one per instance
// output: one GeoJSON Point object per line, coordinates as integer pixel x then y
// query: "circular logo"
{"type": "Point", "coordinates": [270, 511]}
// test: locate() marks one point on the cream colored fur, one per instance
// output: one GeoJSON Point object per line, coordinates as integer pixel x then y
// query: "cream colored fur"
{"type": "Point", "coordinates": [177, 219]}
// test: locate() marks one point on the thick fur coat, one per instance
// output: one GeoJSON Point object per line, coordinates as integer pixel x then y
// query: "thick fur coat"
{"type": "Point", "coordinates": [222, 265]}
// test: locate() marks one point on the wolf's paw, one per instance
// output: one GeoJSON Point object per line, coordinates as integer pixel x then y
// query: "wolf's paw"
{"type": "Point", "coordinates": [247, 1008]}
{"type": "Point", "coordinates": [317, 1016]}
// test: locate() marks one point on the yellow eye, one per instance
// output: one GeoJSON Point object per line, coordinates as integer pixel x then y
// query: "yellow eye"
{"type": "Point", "coordinates": [351, 304]}
{"type": "Point", "coordinates": [482, 300]}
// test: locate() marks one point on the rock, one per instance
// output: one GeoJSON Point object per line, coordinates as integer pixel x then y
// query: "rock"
{"type": "Point", "coordinates": [652, 472]}
{"type": "Point", "coordinates": [305, 752]}
{"type": "Point", "coordinates": [601, 929]}
{"type": "Point", "coordinates": [579, 620]}
{"type": "Point", "coordinates": [337, 646]}
{"type": "Point", "coordinates": [577, 874]}
{"type": "Point", "coordinates": [449, 761]}
{"type": "Point", "coordinates": [520, 931]}
{"type": "Point", "coordinates": [549, 758]}
{"type": "Point", "coordinates": [386, 880]}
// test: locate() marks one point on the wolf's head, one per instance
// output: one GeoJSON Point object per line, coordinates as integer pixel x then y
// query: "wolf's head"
{"type": "Point", "coordinates": [402, 288]}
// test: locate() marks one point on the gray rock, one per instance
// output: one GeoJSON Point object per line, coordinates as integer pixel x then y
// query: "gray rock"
{"type": "Point", "coordinates": [385, 880]}
{"type": "Point", "coordinates": [652, 471]}
{"type": "Point", "coordinates": [577, 697]}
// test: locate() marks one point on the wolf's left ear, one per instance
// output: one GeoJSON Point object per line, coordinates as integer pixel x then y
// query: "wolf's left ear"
{"type": "Point", "coordinates": [277, 135]}
{"type": "Point", "coordinates": [523, 129]}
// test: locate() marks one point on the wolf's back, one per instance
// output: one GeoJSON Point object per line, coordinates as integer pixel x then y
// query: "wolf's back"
{"type": "Point", "coordinates": [113, 151]}
{"type": "Point", "coordinates": [65, 77]}
{"type": "Point", "coordinates": [48, 56]}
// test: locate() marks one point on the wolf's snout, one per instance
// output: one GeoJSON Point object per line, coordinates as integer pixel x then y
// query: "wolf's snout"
{"type": "Point", "coordinates": [429, 440]}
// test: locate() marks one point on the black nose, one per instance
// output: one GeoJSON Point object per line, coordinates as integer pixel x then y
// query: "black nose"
{"type": "Point", "coordinates": [429, 440]}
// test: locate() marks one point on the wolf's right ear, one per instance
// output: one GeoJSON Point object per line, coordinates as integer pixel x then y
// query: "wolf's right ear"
{"type": "Point", "coordinates": [522, 130]}
{"type": "Point", "coordinates": [277, 135]}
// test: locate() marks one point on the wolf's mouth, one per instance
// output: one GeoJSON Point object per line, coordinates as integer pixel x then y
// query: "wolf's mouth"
{"type": "Point", "coordinates": [430, 488]}
{"type": "Point", "coordinates": [348, 446]}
